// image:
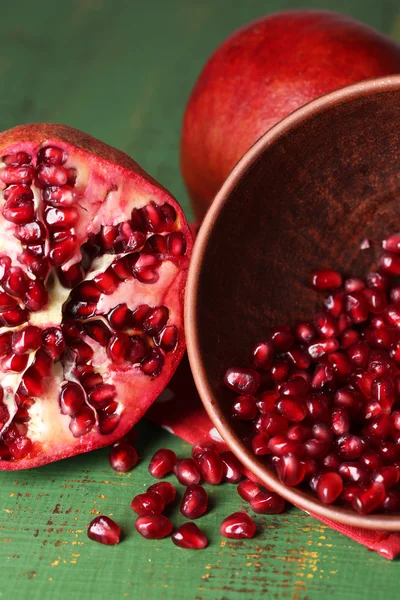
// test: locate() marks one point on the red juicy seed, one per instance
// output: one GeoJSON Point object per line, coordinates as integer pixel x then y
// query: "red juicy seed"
{"type": "Point", "coordinates": [349, 399]}
{"type": "Point", "coordinates": [104, 530]}
{"type": "Point", "coordinates": [304, 332]}
{"type": "Point", "coordinates": [371, 459]}
{"type": "Point", "coordinates": [153, 527]}
{"type": "Point", "coordinates": [262, 356]}
{"type": "Point", "coordinates": [26, 339]}
{"type": "Point", "coordinates": [298, 433]}
{"type": "Point", "coordinates": [267, 503]}
{"type": "Point", "coordinates": [296, 386]}
{"type": "Point", "coordinates": [317, 449]}
{"type": "Point", "coordinates": [34, 261]}
{"type": "Point", "coordinates": [83, 352]}
{"type": "Point", "coordinates": [107, 282]}
{"type": "Point", "coordinates": [43, 363]}
{"type": "Point", "coordinates": [19, 158]}
{"type": "Point", "coordinates": [71, 398]}
{"type": "Point", "coordinates": [15, 282]}
{"type": "Point", "coordinates": [340, 421]}
{"type": "Point", "coordinates": [378, 280]}
{"type": "Point", "coordinates": [244, 408]}
{"type": "Point", "coordinates": [61, 218]}
{"type": "Point", "coordinates": [279, 370]}
{"type": "Point", "coordinates": [200, 447]}
{"type": "Point", "coordinates": [318, 408]}
{"type": "Point", "coordinates": [389, 263]}
{"type": "Point", "coordinates": [392, 243]}
{"type": "Point", "coordinates": [348, 338]}
{"type": "Point", "coordinates": [30, 233]}
{"type": "Point", "coordinates": [211, 467]}
{"type": "Point", "coordinates": [187, 471]}
{"type": "Point", "coordinates": [156, 320]}
{"type": "Point", "coordinates": [349, 446]}
{"type": "Point", "coordinates": [298, 358]}
{"type": "Point", "coordinates": [232, 467]}
{"type": "Point", "coordinates": [380, 428]}
{"type": "Point", "coordinates": [391, 504]}
{"type": "Point", "coordinates": [272, 424]}
{"type": "Point", "coordinates": [165, 489]}
{"type": "Point", "coordinates": [88, 291]}
{"type": "Point", "coordinates": [354, 284]}
{"type": "Point", "coordinates": [131, 240]}
{"type": "Point", "coordinates": [389, 476]}
{"type": "Point", "coordinates": [326, 325]}
{"type": "Point", "coordinates": [329, 487]}
{"type": "Point", "coordinates": [138, 349]}
{"type": "Point", "coordinates": [176, 243]}
{"type": "Point", "coordinates": [6, 302]}
{"type": "Point", "coordinates": [31, 383]}
{"type": "Point", "coordinates": [108, 422]}
{"type": "Point", "coordinates": [140, 314]}
{"type": "Point", "coordinates": [356, 306]}
{"type": "Point", "coordinates": [354, 471]}
{"type": "Point", "coordinates": [109, 235]}
{"type": "Point", "coordinates": [59, 196]}
{"type": "Point", "coordinates": [20, 447]}
{"type": "Point", "coordinates": [266, 401]}
{"type": "Point", "coordinates": [167, 338]}
{"type": "Point", "coordinates": [369, 499]}
{"type": "Point", "coordinates": [395, 294]}
{"type": "Point", "coordinates": [194, 502]}
{"type": "Point", "coordinates": [82, 422]}
{"type": "Point", "coordinates": [120, 317]}
{"type": "Point", "coordinates": [102, 394]}
{"type": "Point", "coordinates": [280, 446]}
{"type": "Point", "coordinates": [190, 537]}
{"type": "Point", "coordinates": [325, 279]}
{"type": "Point", "coordinates": [389, 452]}
{"type": "Point", "coordinates": [380, 338]}
{"type": "Point", "coordinates": [281, 338]}
{"type": "Point", "coordinates": [51, 174]}
{"type": "Point", "coordinates": [36, 296]}
{"type": "Point", "coordinates": [62, 251]}
{"type": "Point", "coordinates": [98, 331]}
{"type": "Point", "coordinates": [15, 363]}
{"type": "Point", "coordinates": [153, 363]}
{"type": "Point", "coordinates": [18, 174]}
{"type": "Point", "coordinates": [396, 419]}
{"type": "Point", "coordinates": [371, 410]}
{"type": "Point", "coordinates": [162, 463]}
{"type": "Point", "coordinates": [334, 304]}
{"type": "Point", "coordinates": [321, 347]}
{"type": "Point", "coordinates": [293, 408]}
{"type": "Point", "coordinates": [376, 300]}
{"type": "Point", "coordinates": [52, 155]}
{"type": "Point", "coordinates": [359, 354]}
{"type": "Point", "coordinates": [247, 489]}
{"type": "Point", "coordinates": [118, 347]}
{"type": "Point", "coordinates": [341, 366]}
{"type": "Point", "coordinates": [238, 526]}
{"type": "Point", "coordinates": [290, 470]}
{"type": "Point", "coordinates": [5, 453]}
{"type": "Point", "coordinates": [321, 431]}
{"type": "Point", "coordinates": [147, 503]}
{"type": "Point", "coordinates": [382, 389]}
{"type": "Point", "coordinates": [242, 381]}
{"type": "Point", "coordinates": [259, 444]}
{"type": "Point", "coordinates": [392, 315]}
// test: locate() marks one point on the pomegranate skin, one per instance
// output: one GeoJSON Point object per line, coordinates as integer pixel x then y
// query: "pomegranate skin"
{"type": "Point", "coordinates": [262, 73]}
{"type": "Point", "coordinates": [121, 173]}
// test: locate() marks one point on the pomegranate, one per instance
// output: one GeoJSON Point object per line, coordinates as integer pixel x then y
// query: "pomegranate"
{"type": "Point", "coordinates": [332, 422]}
{"type": "Point", "coordinates": [262, 73]}
{"type": "Point", "coordinates": [93, 262]}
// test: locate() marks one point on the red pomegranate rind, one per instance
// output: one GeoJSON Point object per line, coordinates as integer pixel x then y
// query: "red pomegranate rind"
{"type": "Point", "coordinates": [84, 232]}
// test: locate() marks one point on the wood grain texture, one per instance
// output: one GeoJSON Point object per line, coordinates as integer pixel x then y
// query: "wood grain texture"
{"type": "Point", "coordinates": [122, 71]}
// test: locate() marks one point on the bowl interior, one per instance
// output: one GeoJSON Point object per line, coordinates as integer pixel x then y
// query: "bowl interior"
{"type": "Point", "coordinates": [304, 197]}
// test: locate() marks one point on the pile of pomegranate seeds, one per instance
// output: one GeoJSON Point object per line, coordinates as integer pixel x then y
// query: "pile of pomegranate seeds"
{"type": "Point", "coordinates": [323, 397]}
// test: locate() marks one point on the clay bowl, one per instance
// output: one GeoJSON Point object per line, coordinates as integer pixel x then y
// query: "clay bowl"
{"type": "Point", "coordinates": [303, 197]}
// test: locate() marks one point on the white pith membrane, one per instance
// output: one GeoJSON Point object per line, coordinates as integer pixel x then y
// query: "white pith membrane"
{"type": "Point", "coordinates": [103, 196]}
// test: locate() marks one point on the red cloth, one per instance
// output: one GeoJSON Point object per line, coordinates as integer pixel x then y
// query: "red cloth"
{"type": "Point", "coordinates": [180, 411]}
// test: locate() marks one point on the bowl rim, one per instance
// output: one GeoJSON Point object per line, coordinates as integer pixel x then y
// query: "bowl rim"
{"type": "Point", "coordinates": [303, 500]}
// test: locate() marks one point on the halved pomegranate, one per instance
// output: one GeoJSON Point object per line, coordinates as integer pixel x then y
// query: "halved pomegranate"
{"type": "Point", "coordinates": [93, 262]}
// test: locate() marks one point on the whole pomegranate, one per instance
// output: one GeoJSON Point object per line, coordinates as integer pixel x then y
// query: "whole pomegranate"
{"type": "Point", "coordinates": [262, 73]}
{"type": "Point", "coordinates": [93, 262]}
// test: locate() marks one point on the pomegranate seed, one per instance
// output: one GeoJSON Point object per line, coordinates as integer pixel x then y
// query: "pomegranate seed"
{"type": "Point", "coordinates": [156, 320]}
{"type": "Point", "coordinates": [262, 355]}
{"type": "Point", "coordinates": [53, 342]}
{"type": "Point", "coordinates": [153, 527]}
{"type": "Point", "coordinates": [305, 332]}
{"type": "Point", "coordinates": [242, 381]}
{"type": "Point", "coordinates": [354, 284]}
{"type": "Point", "coordinates": [326, 325]}
{"type": "Point", "coordinates": [51, 174]}
{"type": "Point", "coordinates": [200, 447]}
{"type": "Point", "coordinates": [187, 471]}
{"type": "Point", "coordinates": [118, 347]}
{"type": "Point", "coordinates": [153, 363]}
{"type": "Point", "coordinates": [166, 339]}
{"type": "Point", "coordinates": [340, 421]}
{"type": "Point", "coordinates": [165, 489]}
{"type": "Point", "coordinates": [52, 155]}
{"type": "Point", "coordinates": [147, 503]}
{"type": "Point", "coordinates": [244, 408]}
{"type": "Point", "coordinates": [267, 503]}
{"type": "Point", "coordinates": [266, 401]}
{"type": "Point", "coordinates": [26, 339]}
{"type": "Point", "coordinates": [325, 279]}
{"type": "Point", "coordinates": [194, 502]}
{"type": "Point", "coordinates": [20, 158]}
{"type": "Point", "coordinates": [211, 467]}
{"type": "Point", "coordinates": [238, 525]}
{"type": "Point", "coordinates": [260, 444]}
{"type": "Point", "coordinates": [389, 263]}
{"type": "Point", "coordinates": [189, 536]}
{"type": "Point", "coordinates": [247, 489]}
{"type": "Point", "coordinates": [349, 446]}
{"type": "Point", "coordinates": [348, 338]}
{"type": "Point", "coordinates": [298, 433]}
{"type": "Point", "coordinates": [82, 422]}
{"type": "Point", "coordinates": [280, 445]}
{"type": "Point", "coordinates": [353, 471]}
{"type": "Point", "coordinates": [392, 502]}
{"type": "Point", "coordinates": [279, 370]}
{"type": "Point", "coordinates": [162, 463]}
{"type": "Point", "coordinates": [293, 408]}
{"type": "Point", "coordinates": [329, 487]}
{"type": "Point", "coordinates": [369, 499]}
{"type": "Point", "coordinates": [371, 460]}
{"type": "Point", "coordinates": [104, 530]}
{"type": "Point", "coordinates": [290, 470]}
{"type": "Point", "coordinates": [232, 467]}
{"type": "Point", "coordinates": [389, 476]}
{"type": "Point", "coordinates": [298, 358]}
{"type": "Point", "coordinates": [71, 398]}
{"type": "Point", "coordinates": [123, 457]}
{"type": "Point", "coordinates": [272, 424]}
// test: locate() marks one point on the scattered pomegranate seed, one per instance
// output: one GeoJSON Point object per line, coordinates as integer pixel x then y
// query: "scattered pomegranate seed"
{"type": "Point", "coordinates": [232, 467]}
{"type": "Point", "coordinates": [267, 503]}
{"type": "Point", "coordinates": [238, 525]}
{"type": "Point", "coordinates": [148, 503]}
{"type": "Point", "coordinates": [194, 502]}
{"type": "Point", "coordinates": [187, 471]}
{"type": "Point", "coordinates": [153, 527]}
{"type": "Point", "coordinates": [104, 530]}
{"type": "Point", "coordinates": [211, 467]}
{"type": "Point", "coordinates": [247, 489]}
{"type": "Point", "coordinates": [165, 489]}
{"type": "Point", "coordinates": [162, 463]}
{"type": "Point", "coordinates": [123, 457]}
{"type": "Point", "coordinates": [189, 536]}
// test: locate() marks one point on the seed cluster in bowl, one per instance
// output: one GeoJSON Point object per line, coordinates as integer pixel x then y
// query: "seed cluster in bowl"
{"type": "Point", "coordinates": [323, 396]}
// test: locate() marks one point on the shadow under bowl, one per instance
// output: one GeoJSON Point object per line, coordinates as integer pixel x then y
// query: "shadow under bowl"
{"type": "Point", "coordinates": [303, 197]}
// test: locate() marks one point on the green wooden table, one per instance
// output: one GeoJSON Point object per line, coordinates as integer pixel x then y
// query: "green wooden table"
{"type": "Point", "coordinates": [122, 71]}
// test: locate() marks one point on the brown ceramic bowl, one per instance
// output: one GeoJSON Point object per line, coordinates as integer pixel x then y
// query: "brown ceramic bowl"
{"type": "Point", "coordinates": [303, 197]}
